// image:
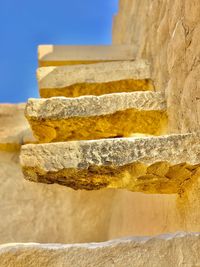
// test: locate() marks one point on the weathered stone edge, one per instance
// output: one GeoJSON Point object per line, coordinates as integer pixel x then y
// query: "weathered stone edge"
{"type": "Point", "coordinates": [174, 149]}
{"type": "Point", "coordinates": [93, 245]}
{"type": "Point", "coordinates": [164, 249]}
{"type": "Point", "coordinates": [83, 106]}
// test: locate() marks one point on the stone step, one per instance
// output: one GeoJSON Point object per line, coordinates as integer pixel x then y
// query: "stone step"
{"type": "Point", "coordinates": [14, 128]}
{"type": "Point", "coordinates": [94, 79]}
{"type": "Point", "coordinates": [94, 117]}
{"type": "Point", "coordinates": [169, 250]}
{"type": "Point", "coordinates": [56, 55]}
{"type": "Point", "coordinates": [164, 164]}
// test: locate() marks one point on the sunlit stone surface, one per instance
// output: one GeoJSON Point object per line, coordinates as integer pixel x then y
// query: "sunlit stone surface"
{"type": "Point", "coordinates": [165, 164]}
{"type": "Point", "coordinates": [52, 55]}
{"type": "Point", "coordinates": [93, 117]}
{"type": "Point", "coordinates": [94, 79]}
{"type": "Point", "coordinates": [179, 249]}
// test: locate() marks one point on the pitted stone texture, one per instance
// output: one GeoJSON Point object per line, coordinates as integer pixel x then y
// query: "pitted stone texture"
{"type": "Point", "coordinates": [52, 55]}
{"type": "Point", "coordinates": [98, 215]}
{"type": "Point", "coordinates": [96, 210]}
{"type": "Point", "coordinates": [14, 129]}
{"type": "Point", "coordinates": [167, 34]}
{"type": "Point", "coordinates": [85, 106]}
{"type": "Point", "coordinates": [93, 117]}
{"type": "Point", "coordinates": [166, 164]}
{"type": "Point", "coordinates": [169, 39]}
{"type": "Point", "coordinates": [94, 79]}
{"type": "Point", "coordinates": [179, 249]}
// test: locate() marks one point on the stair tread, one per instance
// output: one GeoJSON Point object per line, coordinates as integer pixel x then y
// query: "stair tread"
{"type": "Point", "coordinates": [95, 79]}
{"type": "Point", "coordinates": [163, 164]}
{"type": "Point", "coordinates": [93, 117]}
{"type": "Point", "coordinates": [49, 55]}
{"type": "Point", "coordinates": [174, 249]}
{"type": "Point", "coordinates": [84, 106]}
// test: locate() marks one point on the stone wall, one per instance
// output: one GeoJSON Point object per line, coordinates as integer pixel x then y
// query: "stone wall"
{"type": "Point", "coordinates": [167, 33]}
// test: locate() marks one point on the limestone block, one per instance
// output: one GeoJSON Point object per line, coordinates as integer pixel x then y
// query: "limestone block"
{"type": "Point", "coordinates": [14, 129]}
{"type": "Point", "coordinates": [180, 249]}
{"type": "Point", "coordinates": [94, 117]}
{"type": "Point", "coordinates": [94, 79]}
{"type": "Point", "coordinates": [165, 164]}
{"type": "Point", "coordinates": [54, 55]}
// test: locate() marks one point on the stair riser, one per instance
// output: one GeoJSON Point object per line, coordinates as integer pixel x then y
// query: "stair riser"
{"type": "Point", "coordinates": [95, 79]}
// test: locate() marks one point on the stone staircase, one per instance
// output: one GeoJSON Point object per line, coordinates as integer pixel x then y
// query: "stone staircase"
{"type": "Point", "coordinates": [100, 124]}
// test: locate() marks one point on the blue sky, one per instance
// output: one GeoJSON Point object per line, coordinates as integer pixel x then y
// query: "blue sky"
{"type": "Point", "coordinates": [26, 23]}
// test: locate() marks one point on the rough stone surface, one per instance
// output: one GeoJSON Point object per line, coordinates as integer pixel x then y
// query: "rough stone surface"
{"type": "Point", "coordinates": [165, 164]}
{"type": "Point", "coordinates": [14, 129]}
{"type": "Point", "coordinates": [93, 117]}
{"type": "Point", "coordinates": [179, 249]}
{"type": "Point", "coordinates": [103, 214]}
{"type": "Point", "coordinates": [94, 79]}
{"type": "Point", "coordinates": [52, 55]}
{"type": "Point", "coordinates": [57, 214]}
{"type": "Point", "coordinates": [167, 34]}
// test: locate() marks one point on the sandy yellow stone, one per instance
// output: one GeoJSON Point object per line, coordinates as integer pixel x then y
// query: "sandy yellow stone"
{"type": "Point", "coordinates": [56, 55]}
{"type": "Point", "coordinates": [94, 117]}
{"type": "Point", "coordinates": [168, 35]}
{"type": "Point", "coordinates": [165, 164]}
{"type": "Point", "coordinates": [94, 79]}
{"type": "Point", "coordinates": [177, 249]}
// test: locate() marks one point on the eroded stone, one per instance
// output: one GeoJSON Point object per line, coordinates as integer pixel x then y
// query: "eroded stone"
{"type": "Point", "coordinates": [180, 249]}
{"type": "Point", "coordinates": [165, 164]}
{"type": "Point", "coordinates": [94, 79]}
{"type": "Point", "coordinates": [14, 129]}
{"type": "Point", "coordinates": [168, 36]}
{"type": "Point", "coordinates": [93, 117]}
{"type": "Point", "coordinates": [56, 55]}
